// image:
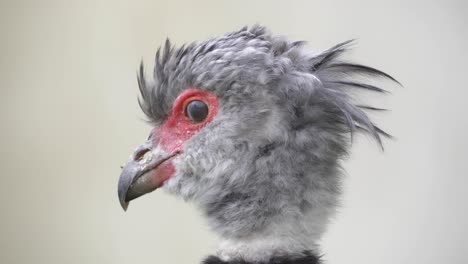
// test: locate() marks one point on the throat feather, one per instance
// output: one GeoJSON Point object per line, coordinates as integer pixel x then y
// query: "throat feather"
{"type": "Point", "coordinates": [307, 257]}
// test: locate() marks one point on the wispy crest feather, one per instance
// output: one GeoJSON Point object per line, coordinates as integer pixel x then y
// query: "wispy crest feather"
{"type": "Point", "coordinates": [252, 55]}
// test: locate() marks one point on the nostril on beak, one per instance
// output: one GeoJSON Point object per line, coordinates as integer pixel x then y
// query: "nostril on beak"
{"type": "Point", "coordinates": [140, 153]}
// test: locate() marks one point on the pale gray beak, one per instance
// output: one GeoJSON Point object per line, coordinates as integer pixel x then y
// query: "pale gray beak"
{"type": "Point", "coordinates": [139, 176]}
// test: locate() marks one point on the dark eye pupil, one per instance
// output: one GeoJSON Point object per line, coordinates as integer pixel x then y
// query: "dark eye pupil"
{"type": "Point", "coordinates": [197, 111]}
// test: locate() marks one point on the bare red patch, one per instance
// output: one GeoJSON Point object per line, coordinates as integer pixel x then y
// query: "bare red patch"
{"type": "Point", "coordinates": [178, 128]}
{"type": "Point", "coordinates": [163, 172]}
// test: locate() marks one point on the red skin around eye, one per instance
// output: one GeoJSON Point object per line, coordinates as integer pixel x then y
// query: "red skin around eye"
{"type": "Point", "coordinates": [178, 128]}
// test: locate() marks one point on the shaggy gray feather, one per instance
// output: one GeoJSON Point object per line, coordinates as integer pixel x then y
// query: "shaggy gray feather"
{"type": "Point", "coordinates": [268, 165]}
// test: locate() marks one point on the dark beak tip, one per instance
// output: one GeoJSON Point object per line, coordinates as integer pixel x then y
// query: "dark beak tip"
{"type": "Point", "coordinates": [124, 206]}
{"type": "Point", "coordinates": [122, 194]}
{"type": "Point", "coordinates": [124, 184]}
{"type": "Point", "coordinates": [123, 202]}
{"type": "Point", "coordinates": [122, 199]}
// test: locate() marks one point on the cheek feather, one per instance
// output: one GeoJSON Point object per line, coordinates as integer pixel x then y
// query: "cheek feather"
{"type": "Point", "coordinates": [178, 128]}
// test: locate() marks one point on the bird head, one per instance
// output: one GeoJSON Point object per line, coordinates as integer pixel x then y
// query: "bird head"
{"type": "Point", "coordinates": [251, 128]}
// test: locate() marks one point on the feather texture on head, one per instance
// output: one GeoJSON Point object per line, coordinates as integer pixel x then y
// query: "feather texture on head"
{"type": "Point", "coordinates": [266, 169]}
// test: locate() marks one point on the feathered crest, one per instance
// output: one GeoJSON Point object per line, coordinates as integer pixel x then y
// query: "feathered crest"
{"type": "Point", "coordinates": [226, 59]}
{"type": "Point", "coordinates": [337, 77]}
{"type": "Point", "coordinates": [154, 95]}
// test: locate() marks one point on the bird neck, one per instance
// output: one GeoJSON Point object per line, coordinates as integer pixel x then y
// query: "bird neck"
{"type": "Point", "coordinates": [286, 239]}
{"type": "Point", "coordinates": [305, 258]}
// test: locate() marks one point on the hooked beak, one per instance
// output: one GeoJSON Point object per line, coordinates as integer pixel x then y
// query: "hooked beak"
{"type": "Point", "coordinates": [148, 168]}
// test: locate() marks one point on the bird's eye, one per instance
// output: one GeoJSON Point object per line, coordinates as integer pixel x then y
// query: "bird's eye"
{"type": "Point", "coordinates": [196, 111]}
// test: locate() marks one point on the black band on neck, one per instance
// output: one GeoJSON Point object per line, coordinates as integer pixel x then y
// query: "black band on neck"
{"type": "Point", "coordinates": [306, 258]}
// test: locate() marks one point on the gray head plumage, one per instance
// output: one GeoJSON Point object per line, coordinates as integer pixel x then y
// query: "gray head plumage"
{"type": "Point", "coordinates": [266, 170]}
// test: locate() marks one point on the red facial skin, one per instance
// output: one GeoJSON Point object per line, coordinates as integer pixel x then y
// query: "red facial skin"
{"type": "Point", "coordinates": [178, 128]}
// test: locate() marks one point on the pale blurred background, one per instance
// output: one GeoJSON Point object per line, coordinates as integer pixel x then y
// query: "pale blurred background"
{"type": "Point", "coordinates": [69, 118]}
